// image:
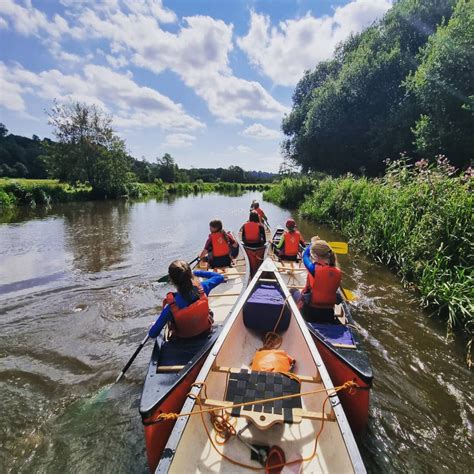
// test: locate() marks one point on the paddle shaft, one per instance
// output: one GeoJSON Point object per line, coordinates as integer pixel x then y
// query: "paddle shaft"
{"type": "Point", "coordinates": [134, 356]}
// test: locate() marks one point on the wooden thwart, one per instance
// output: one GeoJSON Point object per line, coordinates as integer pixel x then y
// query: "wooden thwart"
{"type": "Point", "coordinates": [162, 369]}
{"type": "Point", "coordinates": [232, 370]}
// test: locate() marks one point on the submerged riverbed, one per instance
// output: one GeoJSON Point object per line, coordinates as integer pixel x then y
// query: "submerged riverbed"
{"type": "Point", "coordinates": [78, 293]}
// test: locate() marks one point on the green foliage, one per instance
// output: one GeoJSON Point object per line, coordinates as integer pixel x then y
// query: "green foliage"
{"type": "Point", "coordinates": [417, 219]}
{"type": "Point", "coordinates": [19, 156]}
{"type": "Point", "coordinates": [353, 112]}
{"type": "Point", "coordinates": [443, 85]}
{"type": "Point", "coordinates": [290, 192]}
{"type": "Point", "coordinates": [25, 192]}
{"type": "Point", "coordinates": [87, 150]}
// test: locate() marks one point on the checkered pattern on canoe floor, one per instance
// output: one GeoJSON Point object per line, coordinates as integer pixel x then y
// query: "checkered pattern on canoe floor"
{"type": "Point", "coordinates": [248, 386]}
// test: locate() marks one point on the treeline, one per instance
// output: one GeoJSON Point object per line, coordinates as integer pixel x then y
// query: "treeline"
{"type": "Point", "coordinates": [22, 157]}
{"type": "Point", "coordinates": [405, 84]}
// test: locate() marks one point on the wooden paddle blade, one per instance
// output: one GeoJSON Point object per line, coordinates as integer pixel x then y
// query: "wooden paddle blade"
{"type": "Point", "coordinates": [339, 247]}
{"type": "Point", "coordinates": [349, 295]}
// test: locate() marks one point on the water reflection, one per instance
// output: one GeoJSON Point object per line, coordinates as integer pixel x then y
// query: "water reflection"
{"type": "Point", "coordinates": [97, 234]}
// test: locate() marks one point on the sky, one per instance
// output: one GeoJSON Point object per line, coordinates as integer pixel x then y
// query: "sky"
{"type": "Point", "coordinates": [207, 81]}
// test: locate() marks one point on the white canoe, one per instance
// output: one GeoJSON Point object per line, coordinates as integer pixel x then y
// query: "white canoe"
{"type": "Point", "coordinates": [189, 448]}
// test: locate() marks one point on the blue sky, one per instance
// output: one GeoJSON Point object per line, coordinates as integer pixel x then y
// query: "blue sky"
{"type": "Point", "coordinates": [207, 81]}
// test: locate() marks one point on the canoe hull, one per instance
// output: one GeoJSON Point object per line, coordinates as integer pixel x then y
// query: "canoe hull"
{"type": "Point", "coordinates": [356, 405]}
{"type": "Point", "coordinates": [156, 435]}
{"type": "Point", "coordinates": [256, 257]}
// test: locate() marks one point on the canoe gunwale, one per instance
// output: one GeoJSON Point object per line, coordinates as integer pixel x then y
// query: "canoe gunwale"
{"type": "Point", "coordinates": [267, 267]}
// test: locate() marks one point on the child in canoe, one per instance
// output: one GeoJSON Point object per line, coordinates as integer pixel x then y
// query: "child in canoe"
{"type": "Point", "coordinates": [187, 310]}
{"type": "Point", "coordinates": [253, 233]}
{"type": "Point", "coordinates": [290, 242]}
{"type": "Point", "coordinates": [255, 206]}
{"type": "Point", "coordinates": [220, 246]}
{"type": "Point", "coordinates": [324, 278]}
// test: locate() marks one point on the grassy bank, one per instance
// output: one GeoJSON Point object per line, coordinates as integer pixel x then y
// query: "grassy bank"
{"type": "Point", "coordinates": [416, 219]}
{"type": "Point", "coordinates": [33, 192]}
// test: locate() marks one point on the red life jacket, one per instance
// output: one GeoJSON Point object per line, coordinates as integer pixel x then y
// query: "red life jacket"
{"type": "Point", "coordinates": [324, 285]}
{"type": "Point", "coordinates": [260, 213]}
{"type": "Point", "coordinates": [192, 320]}
{"type": "Point", "coordinates": [291, 243]}
{"type": "Point", "coordinates": [220, 245]}
{"type": "Point", "coordinates": [252, 232]}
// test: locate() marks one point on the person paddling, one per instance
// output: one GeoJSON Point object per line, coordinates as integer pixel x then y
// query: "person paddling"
{"type": "Point", "coordinates": [290, 242]}
{"type": "Point", "coordinates": [324, 278]}
{"type": "Point", "coordinates": [253, 233]}
{"type": "Point", "coordinates": [220, 246]}
{"type": "Point", "coordinates": [256, 207]}
{"type": "Point", "coordinates": [187, 310]}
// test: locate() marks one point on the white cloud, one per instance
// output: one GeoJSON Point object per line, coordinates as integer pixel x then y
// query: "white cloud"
{"type": "Point", "coordinates": [131, 104]}
{"type": "Point", "coordinates": [116, 61]}
{"type": "Point", "coordinates": [198, 53]}
{"type": "Point", "coordinates": [178, 140]}
{"type": "Point", "coordinates": [3, 24]}
{"type": "Point", "coordinates": [244, 149]}
{"type": "Point", "coordinates": [11, 92]}
{"type": "Point", "coordinates": [257, 130]}
{"type": "Point", "coordinates": [283, 53]}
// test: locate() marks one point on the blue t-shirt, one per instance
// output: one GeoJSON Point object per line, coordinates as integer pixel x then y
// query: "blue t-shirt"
{"type": "Point", "coordinates": [213, 279]}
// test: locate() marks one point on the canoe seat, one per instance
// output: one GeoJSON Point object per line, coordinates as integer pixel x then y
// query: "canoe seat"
{"type": "Point", "coordinates": [246, 386]}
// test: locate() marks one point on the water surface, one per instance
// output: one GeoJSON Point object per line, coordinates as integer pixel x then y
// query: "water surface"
{"type": "Point", "coordinates": [78, 292]}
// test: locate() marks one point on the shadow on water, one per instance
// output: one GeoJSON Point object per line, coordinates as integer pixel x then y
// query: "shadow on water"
{"type": "Point", "coordinates": [65, 337]}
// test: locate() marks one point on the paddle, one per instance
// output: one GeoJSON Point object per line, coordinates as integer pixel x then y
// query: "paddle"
{"type": "Point", "coordinates": [134, 356]}
{"type": "Point", "coordinates": [348, 294]}
{"type": "Point", "coordinates": [339, 247]}
{"type": "Point", "coordinates": [165, 278]}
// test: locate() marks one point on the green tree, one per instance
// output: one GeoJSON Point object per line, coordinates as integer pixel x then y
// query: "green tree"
{"type": "Point", "coordinates": [3, 130]}
{"type": "Point", "coordinates": [351, 113]}
{"type": "Point", "coordinates": [87, 150]}
{"type": "Point", "coordinates": [444, 87]}
{"type": "Point", "coordinates": [167, 168]}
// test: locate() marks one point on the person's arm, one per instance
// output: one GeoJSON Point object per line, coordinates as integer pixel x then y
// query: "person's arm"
{"type": "Point", "coordinates": [302, 242]}
{"type": "Point", "coordinates": [213, 279]}
{"type": "Point", "coordinates": [282, 241]}
{"type": "Point", "coordinates": [263, 237]}
{"type": "Point", "coordinates": [206, 249]}
{"type": "Point", "coordinates": [164, 317]}
{"type": "Point", "coordinates": [242, 230]}
{"type": "Point", "coordinates": [310, 266]}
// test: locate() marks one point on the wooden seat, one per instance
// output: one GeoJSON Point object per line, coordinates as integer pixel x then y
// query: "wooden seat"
{"type": "Point", "coordinates": [247, 386]}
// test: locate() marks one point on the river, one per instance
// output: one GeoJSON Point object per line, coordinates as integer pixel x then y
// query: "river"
{"type": "Point", "coordinates": [78, 293]}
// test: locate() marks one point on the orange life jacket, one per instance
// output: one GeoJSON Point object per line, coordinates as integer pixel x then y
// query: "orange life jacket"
{"type": "Point", "coordinates": [220, 245]}
{"type": "Point", "coordinates": [260, 213]}
{"type": "Point", "coordinates": [252, 232]}
{"type": "Point", "coordinates": [324, 285]}
{"type": "Point", "coordinates": [291, 243]}
{"type": "Point", "coordinates": [192, 320]}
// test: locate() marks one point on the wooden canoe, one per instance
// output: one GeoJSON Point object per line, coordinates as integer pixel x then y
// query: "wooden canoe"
{"type": "Point", "coordinates": [174, 365]}
{"type": "Point", "coordinates": [256, 255]}
{"type": "Point", "coordinates": [340, 346]}
{"type": "Point", "coordinates": [290, 427]}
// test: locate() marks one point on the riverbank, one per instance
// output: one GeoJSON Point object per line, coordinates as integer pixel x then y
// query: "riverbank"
{"type": "Point", "coordinates": [33, 192]}
{"type": "Point", "coordinates": [416, 220]}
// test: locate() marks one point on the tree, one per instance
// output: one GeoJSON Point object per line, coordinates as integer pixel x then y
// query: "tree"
{"type": "Point", "coordinates": [87, 150]}
{"type": "Point", "coordinates": [167, 168]}
{"type": "Point", "coordinates": [234, 174]}
{"type": "Point", "coordinates": [444, 87]}
{"type": "Point", "coordinates": [3, 130]}
{"type": "Point", "coordinates": [353, 111]}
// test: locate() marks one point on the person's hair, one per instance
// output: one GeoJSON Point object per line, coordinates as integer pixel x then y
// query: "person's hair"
{"type": "Point", "coordinates": [253, 217]}
{"type": "Point", "coordinates": [181, 276]}
{"type": "Point", "coordinates": [216, 223]}
{"type": "Point", "coordinates": [320, 248]}
{"type": "Point", "coordinates": [255, 205]}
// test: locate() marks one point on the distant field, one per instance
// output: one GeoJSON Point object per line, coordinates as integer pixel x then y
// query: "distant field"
{"type": "Point", "coordinates": [28, 182]}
